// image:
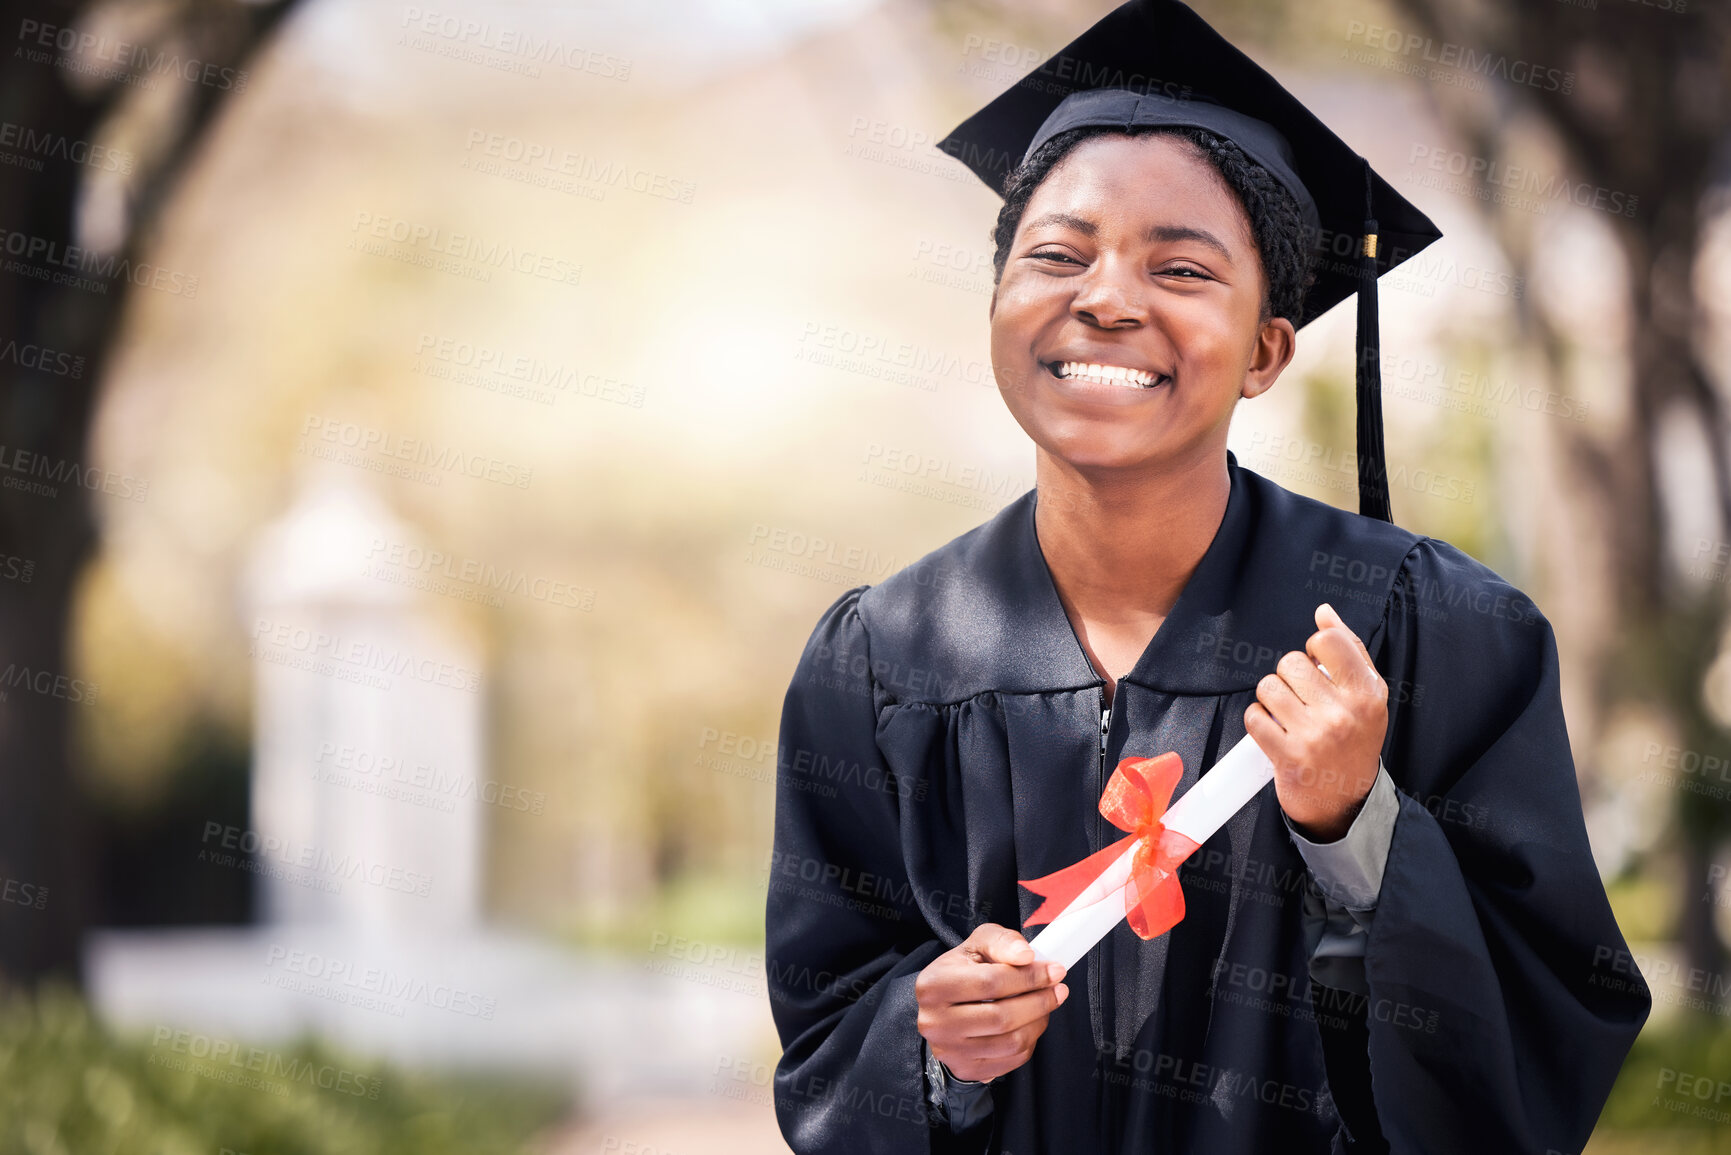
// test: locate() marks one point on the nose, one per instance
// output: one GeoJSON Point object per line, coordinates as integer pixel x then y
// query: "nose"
{"type": "Point", "coordinates": [1108, 296]}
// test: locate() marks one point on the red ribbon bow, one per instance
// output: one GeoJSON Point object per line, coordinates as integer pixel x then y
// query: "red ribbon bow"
{"type": "Point", "coordinates": [1135, 800]}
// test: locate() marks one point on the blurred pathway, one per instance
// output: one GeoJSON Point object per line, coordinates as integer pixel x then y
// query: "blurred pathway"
{"type": "Point", "coordinates": [676, 1127]}
{"type": "Point", "coordinates": [651, 1030]}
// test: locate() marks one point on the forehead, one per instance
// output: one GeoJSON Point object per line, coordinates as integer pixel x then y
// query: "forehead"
{"type": "Point", "coordinates": [1141, 180]}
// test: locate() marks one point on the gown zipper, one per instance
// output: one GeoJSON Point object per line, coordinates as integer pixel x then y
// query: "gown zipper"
{"type": "Point", "coordinates": [1100, 831]}
{"type": "Point", "coordinates": [1105, 725]}
{"type": "Point", "coordinates": [1100, 970]}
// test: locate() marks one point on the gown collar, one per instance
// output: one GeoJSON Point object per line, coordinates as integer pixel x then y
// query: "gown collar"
{"type": "Point", "coordinates": [982, 613]}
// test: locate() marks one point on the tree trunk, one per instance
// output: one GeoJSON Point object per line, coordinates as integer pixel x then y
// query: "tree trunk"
{"type": "Point", "coordinates": [1647, 109]}
{"type": "Point", "coordinates": [46, 404]}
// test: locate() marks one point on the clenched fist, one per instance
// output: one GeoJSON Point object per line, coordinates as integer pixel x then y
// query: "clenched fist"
{"type": "Point", "coordinates": [984, 1003]}
{"type": "Point", "coordinates": [1320, 718]}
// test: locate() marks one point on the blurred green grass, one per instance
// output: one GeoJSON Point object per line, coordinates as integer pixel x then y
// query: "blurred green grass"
{"type": "Point", "coordinates": [1673, 1094]}
{"type": "Point", "coordinates": [714, 909]}
{"type": "Point", "coordinates": [68, 1086]}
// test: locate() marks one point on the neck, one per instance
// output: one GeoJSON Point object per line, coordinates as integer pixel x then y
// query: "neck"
{"type": "Point", "coordinates": [1120, 545]}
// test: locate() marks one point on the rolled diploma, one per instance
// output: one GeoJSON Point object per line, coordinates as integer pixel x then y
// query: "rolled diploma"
{"type": "Point", "coordinates": [1204, 808]}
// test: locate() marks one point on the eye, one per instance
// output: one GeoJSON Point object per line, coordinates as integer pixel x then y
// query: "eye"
{"type": "Point", "coordinates": [1188, 272]}
{"type": "Point", "coordinates": [1052, 255]}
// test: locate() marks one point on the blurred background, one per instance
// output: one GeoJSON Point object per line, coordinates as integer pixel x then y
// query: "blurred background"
{"type": "Point", "coordinates": [429, 434]}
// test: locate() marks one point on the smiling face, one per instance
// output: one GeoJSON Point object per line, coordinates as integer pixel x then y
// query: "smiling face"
{"type": "Point", "coordinates": [1129, 317]}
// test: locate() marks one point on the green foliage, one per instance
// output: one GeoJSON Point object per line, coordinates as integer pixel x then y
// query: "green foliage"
{"type": "Point", "coordinates": [718, 910]}
{"type": "Point", "coordinates": [69, 1087]}
{"type": "Point", "coordinates": [1677, 1080]}
{"type": "Point", "coordinates": [1645, 904]}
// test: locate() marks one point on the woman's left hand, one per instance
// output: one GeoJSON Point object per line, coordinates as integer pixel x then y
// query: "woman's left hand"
{"type": "Point", "coordinates": [1320, 718]}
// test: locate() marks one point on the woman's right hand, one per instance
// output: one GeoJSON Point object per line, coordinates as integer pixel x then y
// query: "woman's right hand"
{"type": "Point", "coordinates": [984, 1004]}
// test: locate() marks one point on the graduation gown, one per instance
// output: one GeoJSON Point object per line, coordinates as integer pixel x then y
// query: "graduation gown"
{"type": "Point", "coordinates": [942, 738]}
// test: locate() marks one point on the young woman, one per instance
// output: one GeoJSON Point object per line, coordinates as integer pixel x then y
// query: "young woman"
{"type": "Point", "coordinates": [1403, 942]}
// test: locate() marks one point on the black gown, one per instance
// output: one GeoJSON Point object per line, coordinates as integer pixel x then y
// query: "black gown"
{"type": "Point", "coordinates": [941, 739]}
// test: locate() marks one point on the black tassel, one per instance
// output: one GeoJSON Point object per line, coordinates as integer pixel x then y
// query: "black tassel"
{"type": "Point", "coordinates": [1372, 467]}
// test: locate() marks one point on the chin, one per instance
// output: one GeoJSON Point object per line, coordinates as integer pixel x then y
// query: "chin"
{"type": "Point", "coordinates": [1098, 450]}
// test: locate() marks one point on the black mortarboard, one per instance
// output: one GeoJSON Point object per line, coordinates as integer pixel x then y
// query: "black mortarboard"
{"type": "Point", "coordinates": [1155, 62]}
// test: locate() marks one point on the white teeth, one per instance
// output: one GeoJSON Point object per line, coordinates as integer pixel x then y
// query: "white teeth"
{"type": "Point", "coordinates": [1105, 374]}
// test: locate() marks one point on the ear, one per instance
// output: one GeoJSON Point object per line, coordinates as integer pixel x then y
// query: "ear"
{"type": "Point", "coordinates": [1275, 344]}
{"type": "Point", "coordinates": [992, 307]}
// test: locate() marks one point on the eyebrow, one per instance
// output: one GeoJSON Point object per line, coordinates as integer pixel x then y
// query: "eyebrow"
{"type": "Point", "coordinates": [1188, 233]}
{"type": "Point", "coordinates": [1166, 233]}
{"type": "Point", "coordinates": [1086, 227]}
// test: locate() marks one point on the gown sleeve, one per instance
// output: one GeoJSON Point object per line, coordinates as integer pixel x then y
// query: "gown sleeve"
{"type": "Point", "coordinates": [1495, 1022]}
{"type": "Point", "coordinates": [1344, 881]}
{"type": "Point", "coordinates": [845, 940]}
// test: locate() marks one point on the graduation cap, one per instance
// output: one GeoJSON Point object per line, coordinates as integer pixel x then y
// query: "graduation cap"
{"type": "Point", "coordinates": [1156, 63]}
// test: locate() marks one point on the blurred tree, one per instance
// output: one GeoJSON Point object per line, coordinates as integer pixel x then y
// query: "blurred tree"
{"type": "Point", "coordinates": [102, 107]}
{"type": "Point", "coordinates": [1648, 115]}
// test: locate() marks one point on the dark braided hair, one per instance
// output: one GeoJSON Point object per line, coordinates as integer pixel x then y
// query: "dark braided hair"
{"type": "Point", "coordinates": [1282, 238]}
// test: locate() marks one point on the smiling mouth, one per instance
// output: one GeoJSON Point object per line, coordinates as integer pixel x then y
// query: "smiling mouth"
{"type": "Point", "coordinates": [1106, 374]}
